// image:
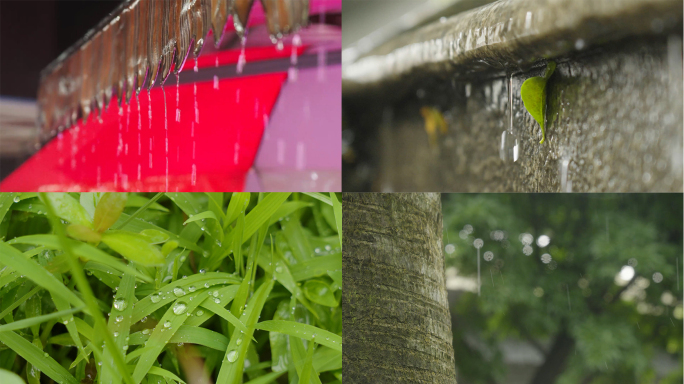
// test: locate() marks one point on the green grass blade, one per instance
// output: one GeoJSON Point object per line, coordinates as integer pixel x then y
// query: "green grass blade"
{"type": "Point", "coordinates": [317, 266]}
{"type": "Point", "coordinates": [20, 324]}
{"type": "Point", "coordinates": [225, 314]}
{"type": "Point", "coordinates": [86, 291]}
{"type": "Point", "coordinates": [6, 200]}
{"type": "Point", "coordinates": [305, 376]}
{"type": "Point", "coordinates": [319, 196]}
{"type": "Point", "coordinates": [267, 378]}
{"type": "Point", "coordinates": [119, 324]}
{"type": "Point", "coordinates": [147, 305]}
{"type": "Point", "coordinates": [189, 334]}
{"type": "Point", "coordinates": [262, 212]}
{"type": "Point", "coordinates": [11, 257]}
{"type": "Point", "coordinates": [127, 219]}
{"type": "Point", "coordinates": [299, 244]}
{"type": "Point", "coordinates": [19, 302]}
{"type": "Point", "coordinates": [139, 201]}
{"type": "Point", "coordinates": [233, 362]}
{"type": "Point", "coordinates": [163, 373]}
{"type": "Point", "coordinates": [337, 209]}
{"type": "Point", "coordinates": [238, 202]}
{"type": "Point", "coordinates": [82, 250]}
{"type": "Point", "coordinates": [287, 209]}
{"type": "Point", "coordinates": [303, 331]}
{"type": "Point", "coordinates": [137, 225]}
{"type": "Point", "coordinates": [327, 359]}
{"type": "Point", "coordinates": [36, 356]}
{"type": "Point", "coordinates": [164, 331]}
{"type": "Point", "coordinates": [299, 359]}
{"type": "Point", "coordinates": [201, 216]}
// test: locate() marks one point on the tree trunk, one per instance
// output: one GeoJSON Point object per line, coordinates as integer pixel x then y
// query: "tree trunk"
{"type": "Point", "coordinates": [555, 360]}
{"type": "Point", "coordinates": [397, 327]}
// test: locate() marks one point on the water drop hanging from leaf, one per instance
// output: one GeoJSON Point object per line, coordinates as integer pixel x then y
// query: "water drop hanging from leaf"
{"type": "Point", "coordinates": [533, 93]}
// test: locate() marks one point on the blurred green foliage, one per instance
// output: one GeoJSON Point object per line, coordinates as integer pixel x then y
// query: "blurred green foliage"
{"type": "Point", "coordinates": [590, 326]}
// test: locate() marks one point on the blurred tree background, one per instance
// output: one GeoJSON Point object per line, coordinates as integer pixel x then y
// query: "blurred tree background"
{"type": "Point", "coordinates": [589, 282]}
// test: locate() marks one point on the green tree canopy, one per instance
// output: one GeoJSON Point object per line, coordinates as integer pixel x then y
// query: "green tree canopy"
{"type": "Point", "coordinates": [604, 294]}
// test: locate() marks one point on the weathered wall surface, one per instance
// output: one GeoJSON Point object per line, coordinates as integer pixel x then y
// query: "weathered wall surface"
{"type": "Point", "coordinates": [614, 123]}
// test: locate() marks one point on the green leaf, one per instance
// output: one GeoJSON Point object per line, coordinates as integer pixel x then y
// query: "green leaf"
{"type": "Point", "coordinates": [32, 270]}
{"type": "Point", "coordinates": [533, 93]}
{"type": "Point", "coordinates": [7, 377]}
{"type": "Point", "coordinates": [35, 356]}
{"type": "Point", "coordinates": [232, 368]}
{"type": "Point", "coordinates": [108, 210]}
{"type": "Point", "coordinates": [154, 236]}
{"type": "Point", "coordinates": [135, 200]}
{"type": "Point", "coordinates": [337, 209]}
{"type": "Point", "coordinates": [305, 376]}
{"type": "Point", "coordinates": [319, 196]}
{"type": "Point", "coordinates": [20, 324]}
{"type": "Point", "coordinates": [303, 331]}
{"type": "Point", "coordinates": [88, 202]}
{"type": "Point", "coordinates": [83, 233]}
{"type": "Point", "coordinates": [201, 216]}
{"type": "Point", "coordinates": [320, 293]}
{"type": "Point", "coordinates": [189, 334]}
{"type": "Point", "coordinates": [133, 247]}
{"type": "Point", "coordinates": [67, 208]}
{"type": "Point", "coordinates": [82, 250]}
{"type": "Point", "coordinates": [119, 324]}
{"type": "Point", "coordinates": [267, 378]}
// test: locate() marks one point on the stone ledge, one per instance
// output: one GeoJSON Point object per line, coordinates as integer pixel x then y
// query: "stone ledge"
{"type": "Point", "coordinates": [506, 36]}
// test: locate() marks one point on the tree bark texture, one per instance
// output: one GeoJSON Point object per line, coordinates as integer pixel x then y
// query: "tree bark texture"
{"type": "Point", "coordinates": [397, 327]}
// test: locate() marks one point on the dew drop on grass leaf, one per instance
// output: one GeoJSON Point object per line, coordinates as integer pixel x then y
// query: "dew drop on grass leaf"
{"type": "Point", "coordinates": [167, 324]}
{"type": "Point", "coordinates": [200, 312]}
{"type": "Point", "coordinates": [146, 331]}
{"type": "Point", "coordinates": [533, 94]}
{"type": "Point", "coordinates": [16, 199]}
{"type": "Point", "coordinates": [202, 271]}
{"type": "Point", "coordinates": [120, 304]}
{"type": "Point", "coordinates": [119, 319]}
{"type": "Point", "coordinates": [191, 288]}
{"type": "Point", "coordinates": [178, 291]}
{"type": "Point", "coordinates": [155, 298]}
{"type": "Point", "coordinates": [238, 341]}
{"type": "Point", "coordinates": [116, 334]}
{"type": "Point", "coordinates": [179, 308]}
{"type": "Point", "coordinates": [232, 356]}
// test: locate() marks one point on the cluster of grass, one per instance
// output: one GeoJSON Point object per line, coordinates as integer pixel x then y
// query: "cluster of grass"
{"type": "Point", "coordinates": [170, 288]}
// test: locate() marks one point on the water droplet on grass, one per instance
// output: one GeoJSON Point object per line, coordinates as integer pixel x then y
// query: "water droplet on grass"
{"type": "Point", "coordinates": [120, 304]}
{"type": "Point", "coordinates": [232, 356]}
{"type": "Point", "coordinates": [200, 312]}
{"type": "Point", "coordinates": [179, 308]}
{"type": "Point", "coordinates": [155, 298]}
{"type": "Point", "coordinates": [167, 324]}
{"type": "Point", "coordinates": [119, 319]}
{"type": "Point", "coordinates": [145, 331]}
{"type": "Point", "coordinates": [178, 291]}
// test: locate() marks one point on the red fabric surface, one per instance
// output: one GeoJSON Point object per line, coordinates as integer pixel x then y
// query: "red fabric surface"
{"type": "Point", "coordinates": [115, 154]}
